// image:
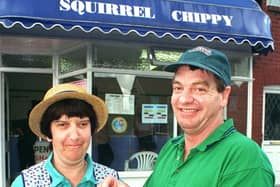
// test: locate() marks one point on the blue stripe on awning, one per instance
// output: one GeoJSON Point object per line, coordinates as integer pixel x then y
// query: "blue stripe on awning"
{"type": "Point", "coordinates": [241, 21]}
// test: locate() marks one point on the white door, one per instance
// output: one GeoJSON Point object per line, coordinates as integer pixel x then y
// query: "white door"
{"type": "Point", "coordinates": [271, 128]}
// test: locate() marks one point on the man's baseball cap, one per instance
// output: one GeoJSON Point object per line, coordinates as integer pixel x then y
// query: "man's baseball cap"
{"type": "Point", "coordinates": [206, 58]}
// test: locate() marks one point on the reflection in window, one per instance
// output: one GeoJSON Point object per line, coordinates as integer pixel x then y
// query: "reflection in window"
{"type": "Point", "coordinates": [164, 57]}
{"type": "Point", "coordinates": [122, 57]}
{"type": "Point", "coordinates": [30, 61]}
{"type": "Point", "coordinates": [73, 60]}
{"type": "Point", "coordinates": [240, 67]}
{"type": "Point", "coordinates": [275, 3]}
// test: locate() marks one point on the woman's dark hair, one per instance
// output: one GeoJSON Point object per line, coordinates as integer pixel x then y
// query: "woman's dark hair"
{"type": "Point", "coordinates": [69, 107]}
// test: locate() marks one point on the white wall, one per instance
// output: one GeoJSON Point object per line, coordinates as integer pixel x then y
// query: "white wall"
{"type": "Point", "coordinates": [273, 153]}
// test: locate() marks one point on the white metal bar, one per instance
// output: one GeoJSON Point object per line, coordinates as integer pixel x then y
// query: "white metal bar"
{"type": "Point", "coordinates": [250, 101]}
{"type": "Point", "coordinates": [2, 132]}
{"type": "Point", "coordinates": [26, 70]}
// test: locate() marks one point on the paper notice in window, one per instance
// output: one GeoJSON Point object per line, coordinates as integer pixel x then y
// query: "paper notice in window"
{"type": "Point", "coordinates": [120, 103]}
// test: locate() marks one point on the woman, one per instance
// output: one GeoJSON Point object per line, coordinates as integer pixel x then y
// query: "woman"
{"type": "Point", "coordinates": [67, 117]}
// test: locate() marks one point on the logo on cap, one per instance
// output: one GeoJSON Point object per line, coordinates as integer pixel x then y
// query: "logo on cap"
{"type": "Point", "coordinates": [204, 50]}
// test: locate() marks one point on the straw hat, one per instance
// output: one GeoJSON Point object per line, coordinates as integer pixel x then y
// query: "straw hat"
{"type": "Point", "coordinates": [67, 91]}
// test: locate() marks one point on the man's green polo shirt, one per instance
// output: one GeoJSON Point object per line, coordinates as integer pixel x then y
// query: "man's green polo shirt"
{"type": "Point", "coordinates": [226, 158]}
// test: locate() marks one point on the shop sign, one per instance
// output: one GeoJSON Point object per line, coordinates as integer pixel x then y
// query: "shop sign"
{"type": "Point", "coordinates": [95, 7]}
{"type": "Point", "coordinates": [149, 12]}
{"type": "Point", "coordinates": [207, 19]}
{"type": "Point", "coordinates": [41, 150]}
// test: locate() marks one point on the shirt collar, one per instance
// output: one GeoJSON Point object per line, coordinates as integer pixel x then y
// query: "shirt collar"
{"type": "Point", "coordinates": [57, 178]}
{"type": "Point", "coordinates": [89, 176]}
{"type": "Point", "coordinates": [221, 132]}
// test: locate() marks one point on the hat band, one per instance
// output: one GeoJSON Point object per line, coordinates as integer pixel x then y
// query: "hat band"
{"type": "Point", "coordinates": [65, 91]}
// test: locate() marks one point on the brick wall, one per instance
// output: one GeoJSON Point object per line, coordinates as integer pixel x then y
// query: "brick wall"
{"type": "Point", "coordinates": [266, 72]}
{"type": "Point", "coordinates": [237, 107]}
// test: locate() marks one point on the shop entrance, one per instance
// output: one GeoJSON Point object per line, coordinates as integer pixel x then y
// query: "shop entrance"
{"type": "Point", "coordinates": [22, 92]}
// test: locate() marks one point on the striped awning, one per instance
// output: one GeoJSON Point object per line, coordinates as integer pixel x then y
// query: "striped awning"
{"type": "Point", "coordinates": [241, 21]}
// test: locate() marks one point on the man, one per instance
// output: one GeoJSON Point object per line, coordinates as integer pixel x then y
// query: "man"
{"type": "Point", "coordinates": [211, 152]}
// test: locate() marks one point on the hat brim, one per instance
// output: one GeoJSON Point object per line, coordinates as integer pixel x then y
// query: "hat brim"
{"type": "Point", "coordinates": [175, 66]}
{"type": "Point", "coordinates": [97, 104]}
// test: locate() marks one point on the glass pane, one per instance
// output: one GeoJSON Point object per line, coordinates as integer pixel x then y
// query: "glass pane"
{"type": "Point", "coordinates": [30, 61]}
{"type": "Point", "coordinates": [122, 57]}
{"type": "Point", "coordinates": [73, 60]}
{"type": "Point", "coordinates": [273, 3]}
{"type": "Point", "coordinates": [132, 127]}
{"type": "Point", "coordinates": [164, 57]}
{"type": "Point", "coordinates": [237, 106]}
{"type": "Point", "coordinates": [240, 67]}
{"type": "Point", "coordinates": [272, 117]}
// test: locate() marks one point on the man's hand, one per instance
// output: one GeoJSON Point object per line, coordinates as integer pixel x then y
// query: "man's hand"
{"type": "Point", "coordinates": [112, 182]}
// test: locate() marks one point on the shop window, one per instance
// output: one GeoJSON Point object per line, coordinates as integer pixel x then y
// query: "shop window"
{"type": "Point", "coordinates": [140, 116]}
{"type": "Point", "coordinates": [165, 56]}
{"type": "Point", "coordinates": [24, 61]}
{"type": "Point", "coordinates": [121, 56]}
{"type": "Point", "coordinates": [73, 60]}
{"type": "Point", "coordinates": [275, 3]}
{"type": "Point", "coordinates": [240, 67]}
